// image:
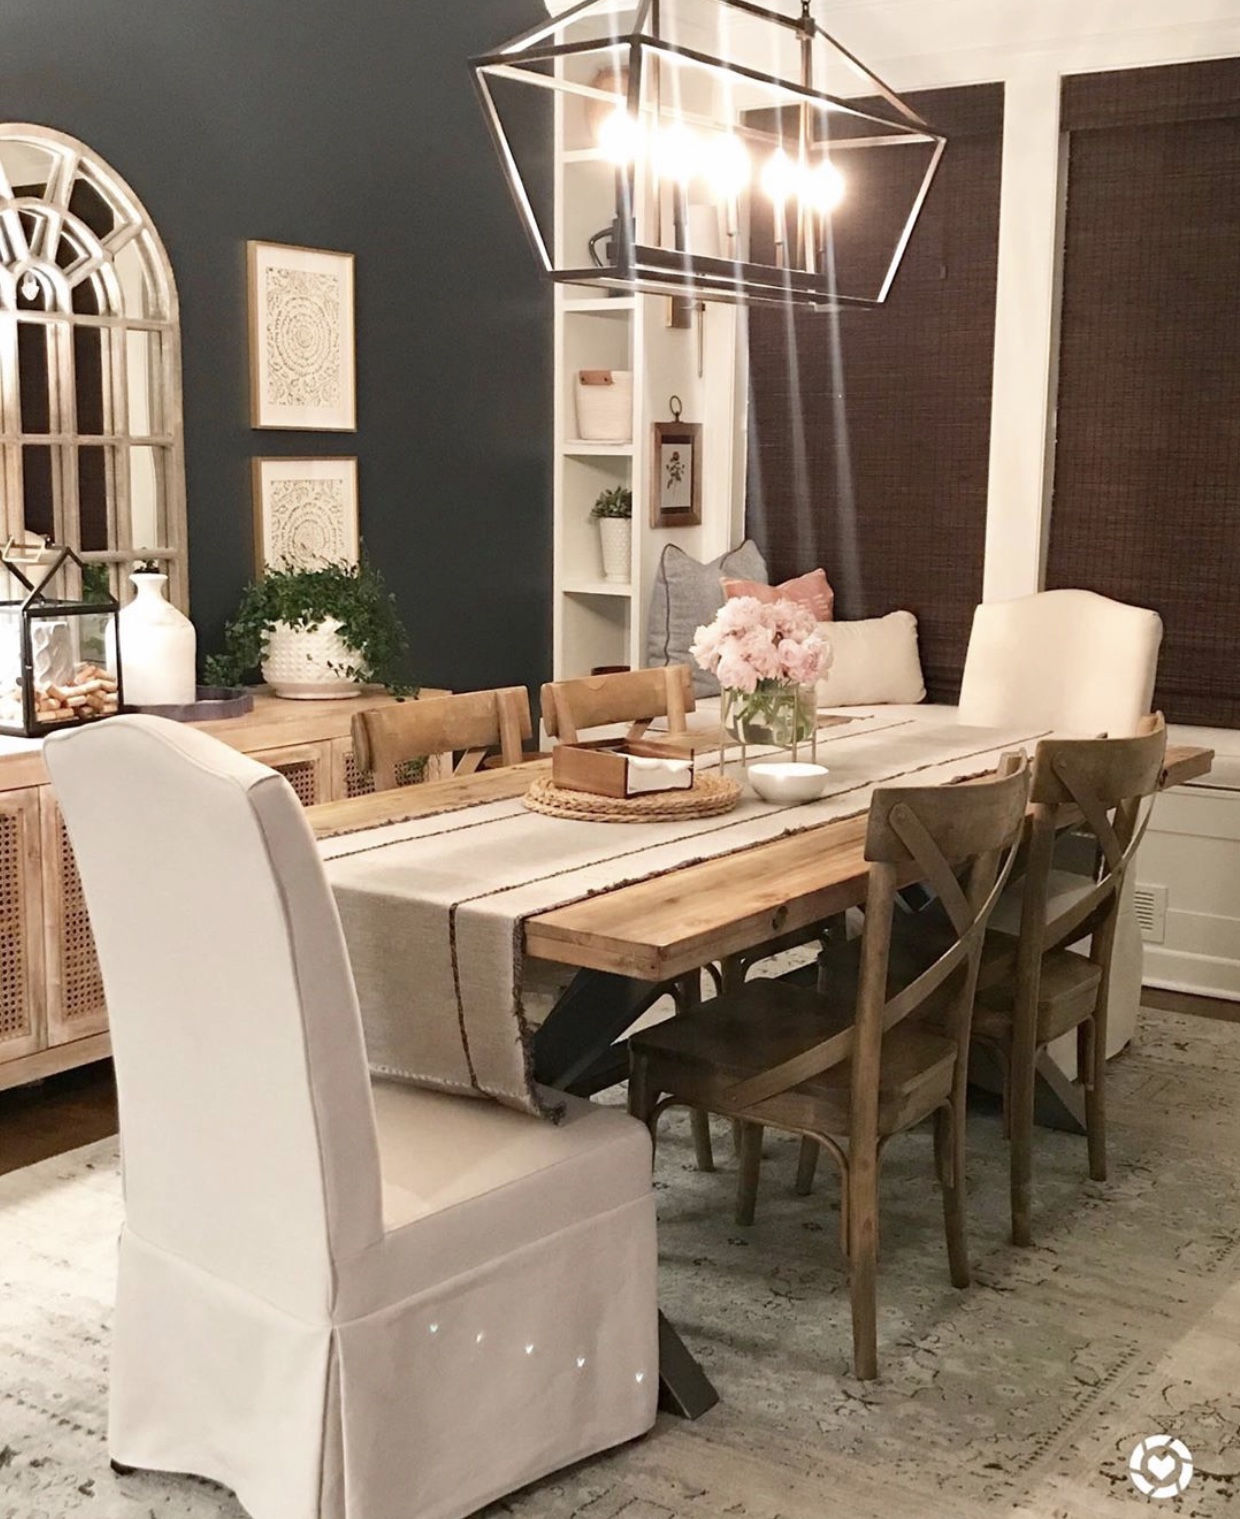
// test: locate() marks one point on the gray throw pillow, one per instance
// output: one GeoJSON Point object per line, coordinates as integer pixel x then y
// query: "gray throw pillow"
{"type": "Point", "coordinates": [687, 594]}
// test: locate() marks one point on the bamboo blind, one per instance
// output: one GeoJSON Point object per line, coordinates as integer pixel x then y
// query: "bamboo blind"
{"type": "Point", "coordinates": [1147, 470]}
{"type": "Point", "coordinates": [870, 432]}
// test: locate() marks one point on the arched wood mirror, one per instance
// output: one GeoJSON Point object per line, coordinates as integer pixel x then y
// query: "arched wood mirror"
{"type": "Point", "coordinates": [91, 447]}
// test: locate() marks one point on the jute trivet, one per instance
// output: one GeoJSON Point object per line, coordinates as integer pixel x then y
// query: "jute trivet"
{"type": "Point", "coordinates": [709, 795]}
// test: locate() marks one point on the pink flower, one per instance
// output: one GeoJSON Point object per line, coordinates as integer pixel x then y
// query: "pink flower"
{"type": "Point", "coordinates": [735, 671]}
{"type": "Point", "coordinates": [752, 641]}
{"type": "Point", "coordinates": [705, 645]}
{"type": "Point", "coordinates": [801, 662]}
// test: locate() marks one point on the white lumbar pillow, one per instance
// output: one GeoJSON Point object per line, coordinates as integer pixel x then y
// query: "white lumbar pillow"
{"type": "Point", "coordinates": [873, 661]}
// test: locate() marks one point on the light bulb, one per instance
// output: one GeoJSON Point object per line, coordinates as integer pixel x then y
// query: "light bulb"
{"type": "Point", "coordinates": [619, 137]}
{"type": "Point", "coordinates": [824, 187]}
{"type": "Point", "coordinates": [678, 153]}
{"type": "Point", "coordinates": [780, 177]}
{"type": "Point", "coordinates": [726, 165]}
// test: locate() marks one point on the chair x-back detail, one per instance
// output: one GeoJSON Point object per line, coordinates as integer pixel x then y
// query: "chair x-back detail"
{"type": "Point", "coordinates": [851, 1068]}
{"type": "Point", "coordinates": [1110, 784]}
{"type": "Point", "coordinates": [573, 707]}
{"type": "Point", "coordinates": [386, 739]}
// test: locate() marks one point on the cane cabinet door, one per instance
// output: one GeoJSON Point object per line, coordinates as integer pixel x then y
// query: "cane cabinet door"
{"type": "Point", "coordinates": [22, 1012]}
{"type": "Point", "coordinates": [306, 767]}
{"type": "Point", "coordinates": [75, 1005]}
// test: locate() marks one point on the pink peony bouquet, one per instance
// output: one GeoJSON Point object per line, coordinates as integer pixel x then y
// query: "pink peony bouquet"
{"type": "Point", "coordinates": [753, 644]}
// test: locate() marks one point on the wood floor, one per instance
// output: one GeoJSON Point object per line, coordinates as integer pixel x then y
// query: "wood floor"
{"type": "Point", "coordinates": [78, 1107]}
{"type": "Point", "coordinates": [49, 1117]}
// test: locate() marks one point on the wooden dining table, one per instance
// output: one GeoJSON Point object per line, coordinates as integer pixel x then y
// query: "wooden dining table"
{"type": "Point", "coordinates": [628, 943]}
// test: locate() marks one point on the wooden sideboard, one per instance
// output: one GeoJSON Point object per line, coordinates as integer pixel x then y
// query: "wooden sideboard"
{"type": "Point", "coordinates": [52, 1012]}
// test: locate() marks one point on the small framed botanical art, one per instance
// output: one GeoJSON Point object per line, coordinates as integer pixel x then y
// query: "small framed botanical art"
{"type": "Point", "coordinates": [676, 476]}
{"type": "Point", "coordinates": [305, 513]}
{"type": "Point", "coordinates": [302, 361]}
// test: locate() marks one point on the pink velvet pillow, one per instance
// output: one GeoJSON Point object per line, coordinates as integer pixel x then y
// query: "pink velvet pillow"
{"type": "Point", "coordinates": [810, 590]}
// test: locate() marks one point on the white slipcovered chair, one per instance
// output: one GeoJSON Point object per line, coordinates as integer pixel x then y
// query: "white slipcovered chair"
{"type": "Point", "coordinates": [1072, 660]}
{"type": "Point", "coordinates": [1085, 666]}
{"type": "Point", "coordinates": [340, 1307]}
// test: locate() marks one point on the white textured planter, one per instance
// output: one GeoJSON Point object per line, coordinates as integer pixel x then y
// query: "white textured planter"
{"type": "Point", "coordinates": [615, 536]}
{"type": "Point", "coordinates": [299, 662]}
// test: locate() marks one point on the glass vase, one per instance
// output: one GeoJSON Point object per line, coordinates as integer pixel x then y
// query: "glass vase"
{"type": "Point", "coordinates": [778, 714]}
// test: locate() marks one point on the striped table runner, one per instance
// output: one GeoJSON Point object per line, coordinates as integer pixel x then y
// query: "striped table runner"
{"type": "Point", "coordinates": [434, 908]}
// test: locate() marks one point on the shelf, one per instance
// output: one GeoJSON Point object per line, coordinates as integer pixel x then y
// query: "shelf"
{"type": "Point", "coordinates": [595, 305]}
{"type": "Point", "coordinates": [584, 448]}
{"type": "Point", "coordinates": [597, 588]}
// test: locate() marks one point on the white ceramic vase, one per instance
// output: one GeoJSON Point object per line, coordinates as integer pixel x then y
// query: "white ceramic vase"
{"type": "Point", "coordinates": [159, 649]}
{"type": "Point", "coordinates": [615, 536]}
{"type": "Point", "coordinates": [304, 664]}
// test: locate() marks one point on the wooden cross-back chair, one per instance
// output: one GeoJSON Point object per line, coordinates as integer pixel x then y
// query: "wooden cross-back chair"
{"type": "Point", "coordinates": [1110, 783]}
{"type": "Point", "coordinates": [386, 739]}
{"type": "Point", "coordinates": [850, 1069]}
{"type": "Point", "coordinates": [573, 707]}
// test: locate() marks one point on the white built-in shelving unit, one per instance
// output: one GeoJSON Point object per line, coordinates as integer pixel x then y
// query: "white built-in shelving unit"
{"type": "Point", "coordinates": [599, 623]}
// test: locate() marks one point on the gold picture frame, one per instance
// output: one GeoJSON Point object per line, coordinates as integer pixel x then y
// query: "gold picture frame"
{"type": "Point", "coordinates": [305, 513]}
{"type": "Point", "coordinates": [303, 366]}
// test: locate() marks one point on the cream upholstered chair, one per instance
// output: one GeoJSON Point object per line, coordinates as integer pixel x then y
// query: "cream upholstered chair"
{"type": "Point", "coordinates": [340, 1306]}
{"type": "Point", "coordinates": [1072, 660]}
{"type": "Point", "coordinates": [1082, 665]}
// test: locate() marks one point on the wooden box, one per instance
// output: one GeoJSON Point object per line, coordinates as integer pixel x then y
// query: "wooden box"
{"type": "Point", "coordinates": [601, 766]}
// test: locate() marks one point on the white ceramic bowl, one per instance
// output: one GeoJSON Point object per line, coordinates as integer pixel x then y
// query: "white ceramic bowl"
{"type": "Point", "coordinates": [788, 784]}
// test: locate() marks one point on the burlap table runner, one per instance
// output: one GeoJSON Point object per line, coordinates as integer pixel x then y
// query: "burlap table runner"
{"type": "Point", "coordinates": [434, 908]}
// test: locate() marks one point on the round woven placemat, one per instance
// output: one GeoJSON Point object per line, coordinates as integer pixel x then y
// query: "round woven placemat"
{"type": "Point", "coordinates": [709, 795]}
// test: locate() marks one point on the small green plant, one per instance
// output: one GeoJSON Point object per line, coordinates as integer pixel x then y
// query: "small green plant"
{"type": "Point", "coordinates": [148, 567]}
{"type": "Point", "coordinates": [617, 502]}
{"type": "Point", "coordinates": [354, 594]}
{"type": "Point", "coordinates": [96, 583]}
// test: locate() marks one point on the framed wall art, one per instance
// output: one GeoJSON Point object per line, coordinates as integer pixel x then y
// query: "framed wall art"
{"type": "Point", "coordinates": [676, 481]}
{"type": "Point", "coordinates": [302, 360]}
{"type": "Point", "coordinates": [305, 512]}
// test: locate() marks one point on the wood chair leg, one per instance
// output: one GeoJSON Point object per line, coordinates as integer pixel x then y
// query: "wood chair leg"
{"type": "Point", "coordinates": [643, 1098]}
{"type": "Point", "coordinates": [949, 1159]}
{"type": "Point", "coordinates": [732, 972]}
{"type": "Point", "coordinates": [1094, 1077]}
{"type": "Point", "coordinates": [1021, 1077]}
{"type": "Point", "coordinates": [863, 1262]}
{"type": "Point", "coordinates": [703, 1153]}
{"type": "Point", "coordinates": [748, 1172]}
{"type": "Point", "coordinates": [688, 995]}
{"type": "Point", "coordinates": [807, 1165]}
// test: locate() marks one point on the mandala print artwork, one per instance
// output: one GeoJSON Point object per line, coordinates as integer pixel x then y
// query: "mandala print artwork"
{"type": "Point", "coordinates": [303, 313]}
{"type": "Point", "coordinates": [307, 523]}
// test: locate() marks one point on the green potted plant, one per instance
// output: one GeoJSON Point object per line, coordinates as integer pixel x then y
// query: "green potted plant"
{"type": "Point", "coordinates": [613, 511]}
{"type": "Point", "coordinates": [314, 633]}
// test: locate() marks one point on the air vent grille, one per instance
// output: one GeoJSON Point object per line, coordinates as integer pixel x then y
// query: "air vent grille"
{"type": "Point", "coordinates": [1151, 904]}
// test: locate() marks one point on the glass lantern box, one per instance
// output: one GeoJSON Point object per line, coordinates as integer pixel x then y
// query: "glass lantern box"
{"type": "Point", "coordinates": [59, 649]}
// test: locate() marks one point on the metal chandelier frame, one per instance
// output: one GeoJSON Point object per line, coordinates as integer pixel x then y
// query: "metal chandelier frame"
{"type": "Point", "coordinates": [807, 278]}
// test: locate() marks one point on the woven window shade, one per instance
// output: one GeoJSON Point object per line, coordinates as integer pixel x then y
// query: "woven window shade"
{"type": "Point", "coordinates": [871, 460]}
{"type": "Point", "coordinates": [1147, 468]}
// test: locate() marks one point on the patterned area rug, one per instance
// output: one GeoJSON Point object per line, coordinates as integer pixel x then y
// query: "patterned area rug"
{"type": "Point", "coordinates": [1023, 1395]}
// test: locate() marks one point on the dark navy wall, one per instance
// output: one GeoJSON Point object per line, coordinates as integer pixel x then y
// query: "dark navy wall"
{"type": "Point", "coordinates": [353, 125]}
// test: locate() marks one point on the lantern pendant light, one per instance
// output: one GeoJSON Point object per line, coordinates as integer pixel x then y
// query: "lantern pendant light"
{"type": "Point", "coordinates": [712, 149]}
